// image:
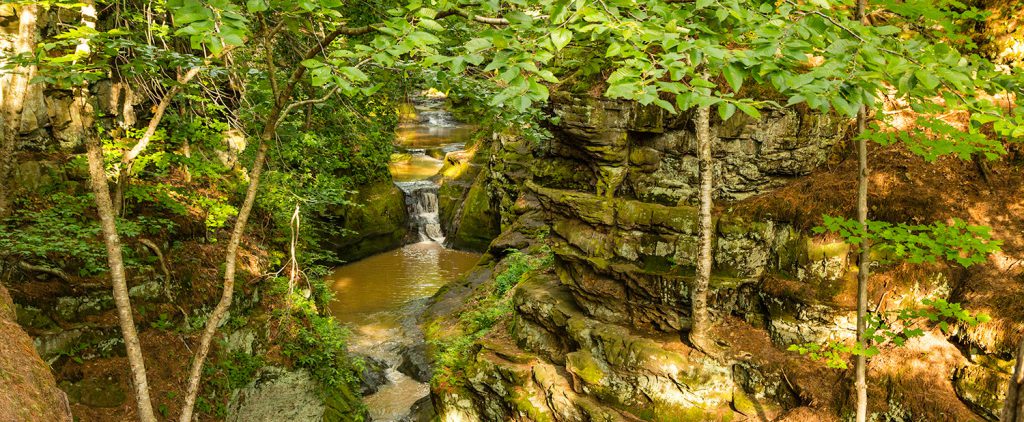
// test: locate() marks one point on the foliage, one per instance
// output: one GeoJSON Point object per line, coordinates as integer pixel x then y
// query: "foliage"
{"type": "Point", "coordinates": [452, 353]}
{"type": "Point", "coordinates": [892, 327]}
{"type": "Point", "coordinates": [315, 342]}
{"type": "Point", "coordinates": [959, 242]}
{"type": "Point", "coordinates": [61, 230]}
{"type": "Point", "coordinates": [518, 264]}
{"type": "Point", "coordinates": [228, 372]}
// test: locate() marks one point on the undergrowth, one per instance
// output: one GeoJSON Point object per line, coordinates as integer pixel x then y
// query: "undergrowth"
{"type": "Point", "coordinates": [453, 349]}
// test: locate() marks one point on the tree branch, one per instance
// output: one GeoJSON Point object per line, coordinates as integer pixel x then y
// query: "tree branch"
{"type": "Point", "coordinates": [290, 107]}
{"type": "Point", "coordinates": [46, 270]}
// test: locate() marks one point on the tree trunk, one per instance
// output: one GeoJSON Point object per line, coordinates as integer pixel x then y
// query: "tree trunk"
{"type": "Point", "coordinates": [860, 363]}
{"type": "Point", "coordinates": [277, 113]}
{"type": "Point", "coordinates": [699, 294]}
{"type": "Point", "coordinates": [98, 182]}
{"type": "Point", "coordinates": [14, 91]}
{"type": "Point", "coordinates": [1013, 410]}
{"type": "Point", "coordinates": [229, 270]}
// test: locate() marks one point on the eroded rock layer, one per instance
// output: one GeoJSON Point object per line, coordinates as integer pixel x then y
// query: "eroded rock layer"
{"type": "Point", "coordinates": [598, 334]}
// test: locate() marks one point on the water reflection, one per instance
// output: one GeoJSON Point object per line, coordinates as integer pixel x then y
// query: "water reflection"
{"type": "Point", "coordinates": [422, 136]}
{"type": "Point", "coordinates": [416, 167]}
{"type": "Point", "coordinates": [385, 281]}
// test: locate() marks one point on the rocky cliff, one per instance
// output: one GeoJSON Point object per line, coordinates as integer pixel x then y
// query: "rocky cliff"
{"type": "Point", "coordinates": [596, 335]}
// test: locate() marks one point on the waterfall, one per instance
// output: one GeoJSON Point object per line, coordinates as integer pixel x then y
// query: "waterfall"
{"type": "Point", "coordinates": [421, 201]}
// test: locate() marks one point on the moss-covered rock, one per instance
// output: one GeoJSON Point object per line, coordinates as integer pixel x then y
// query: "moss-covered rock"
{"type": "Point", "coordinates": [282, 395]}
{"type": "Point", "coordinates": [376, 222]}
{"type": "Point", "coordinates": [479, 222]}
{"type": "Point", "coordinates": [983, 386]}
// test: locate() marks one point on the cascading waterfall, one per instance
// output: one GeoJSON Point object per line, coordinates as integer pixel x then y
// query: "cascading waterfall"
{"type": "Point", "coordinates": [422, 204]}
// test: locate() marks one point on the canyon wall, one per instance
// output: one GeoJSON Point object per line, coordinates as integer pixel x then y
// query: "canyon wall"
{"type": "Point", "coordinates": [597, 335]}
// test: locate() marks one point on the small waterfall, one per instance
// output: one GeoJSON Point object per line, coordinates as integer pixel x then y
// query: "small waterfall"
{"type": "Point", "coordinates": [437, 118]}
{"type": "Point", "coordinates": [421, 201]}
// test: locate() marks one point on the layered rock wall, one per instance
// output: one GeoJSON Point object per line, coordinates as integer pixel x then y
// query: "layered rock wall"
{"type": "Point", "coordinates": [597, 336]}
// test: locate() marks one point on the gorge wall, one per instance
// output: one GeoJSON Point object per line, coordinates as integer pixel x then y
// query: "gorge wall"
{"type": "Point", "coordinates": [596, 335]}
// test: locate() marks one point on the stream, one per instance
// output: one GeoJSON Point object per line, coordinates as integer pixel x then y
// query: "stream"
{"type": "Point", "coordinates": [379, 297]}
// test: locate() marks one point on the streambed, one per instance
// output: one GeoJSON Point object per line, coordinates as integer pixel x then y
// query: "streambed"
{"type": "Point", "coordinates": [379, 298]}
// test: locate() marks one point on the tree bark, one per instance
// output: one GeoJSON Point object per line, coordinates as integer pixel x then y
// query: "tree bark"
{"type": "Point", "coordinates": [699, 293]}
{"type": "Point", "coordinates": [98, 182]}
{"type": "Point", "coordinates": [860, 362]}
{"type": "Point", "coordinates": [14, 89]}
{"type": "Point", "coordinates": [229, 275]}
{"type": "Point", "coordinates": [1013, 409]}
{"type": "Point", "coordinates": [108, 225]}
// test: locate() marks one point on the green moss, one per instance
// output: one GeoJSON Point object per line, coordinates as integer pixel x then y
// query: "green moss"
{"type": "Point", "coordinates": [521, 400]}
{"type": "Point", "coordinates": [479, 223]}
{"type": "Point", "coordinates": [376, 222]}
{"type": "Point", "coordinates": [586, 367]}
{"type": "Point", "coordinates": [343, 405]}
{"type": "Point", "coordinates": [735, 225]}
{"type": "Point", "coordinates": [818, 250]}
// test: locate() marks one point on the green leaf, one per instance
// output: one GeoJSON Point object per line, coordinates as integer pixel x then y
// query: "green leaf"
{"type": "Point", "coordinates": [614, 49]}
{"type": "Point", "coordinates": [726, 110]}
{"type": "Point", "coordinates": [476, 45]}
{"type": "Point", "coordinates": [665, 105]}
{"type": "Point", "coordinates": [926, 78]}
{"type": "Point", "coordinates": [422, 38]}
{"type": "Point", "coordinates": [257, 5]}
{"type": "Point", "coordinates": [354, 74]}
{"type": "Point", "coordinates": [734, 76]}
{"type": "Point", "coordinates": [560, 38]}
{"type": "Point", "coordinates": [312, 63]}
{"type": "Point", "coordinates": [749, 110]}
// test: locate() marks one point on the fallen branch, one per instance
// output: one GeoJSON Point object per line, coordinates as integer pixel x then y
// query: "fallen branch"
{"type": "Point", "coordinates": [47, 270]}
{"type": "Point", "coordinates": [163, 265]}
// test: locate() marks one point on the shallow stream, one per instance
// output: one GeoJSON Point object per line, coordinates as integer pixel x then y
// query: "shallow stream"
{"type": "Point", "coordinates": [380, 297]}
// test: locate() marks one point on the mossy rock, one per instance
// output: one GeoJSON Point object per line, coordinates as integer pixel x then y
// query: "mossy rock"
{"type": "Point", "coordinates": [375, 223]}
{"type": "Point", "coordinates": [342, 404]}
{"type": "Point", "coordinates": [583, 365]}
{"type": "Point", "coordinates": [983, 387]}
{"type": "Point", "coordinates": [95, 392]}
{"type": "Point", "coordinates": [479, 223]}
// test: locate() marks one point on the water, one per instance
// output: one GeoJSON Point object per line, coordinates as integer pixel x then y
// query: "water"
{"type": "Point", "coordinates": [386, 281]}
{"type": "Point", "coordinates": [419, 166]}
{"type": "Point", "coordinates": [421, 202]}
{"type": "Point", "coordinates": [372, 297]}
{"type": "Point", "coordinates": [377, 297]}
{"type": "Point", "coordinates": [428, 124]}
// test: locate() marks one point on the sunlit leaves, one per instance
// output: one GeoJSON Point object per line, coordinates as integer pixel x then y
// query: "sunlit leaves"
{"type": "Point", "coordinates": [211, 24]}
{"type": "Point", "coordinates": [957, 242]}
{"type": "Point", "coordinates": [560, 37]}
{"type": "Point", "coordinates": [892, 327]}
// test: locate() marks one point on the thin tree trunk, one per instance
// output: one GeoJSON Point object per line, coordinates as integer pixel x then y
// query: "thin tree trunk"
{"type": "Point", "coordinates": [1013, 409]}
{"type": "Point", "coordinates": [277, 114]}
{"type": "Point", "coordinates": [229, 278]}
{"type": "Point", "coordinates": [699, 294]}
{"type": "Point", "coordinates": [98, 181]}
{"type": "Point", "coordinates": [14, 91]}
{"type": "Point", "coordinates": [860, 363]}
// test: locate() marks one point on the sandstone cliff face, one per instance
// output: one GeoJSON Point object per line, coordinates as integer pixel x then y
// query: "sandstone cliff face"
{"type": "Point", "coordinates": [597, 336]}
{"type": "Point", "coordinates": [27, 388]}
